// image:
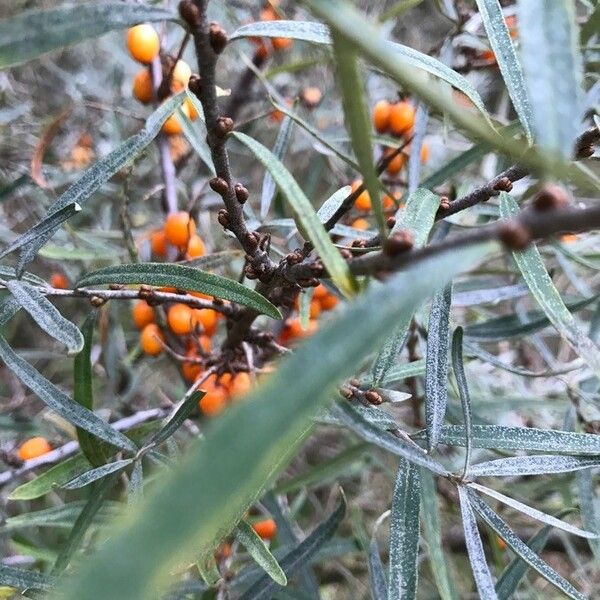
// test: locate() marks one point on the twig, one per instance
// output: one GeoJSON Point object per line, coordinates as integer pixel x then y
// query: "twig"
{"type": "Point", "coordinates": [126, 219]}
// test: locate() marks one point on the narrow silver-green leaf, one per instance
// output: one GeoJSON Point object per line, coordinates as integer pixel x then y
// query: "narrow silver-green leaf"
{"type": "Point", "coordinates": [549, 41]}
{"type": "Point", "coordinates": [358, 122]}
{"type": "Point", "coordinates": [506, 56]}
{"type": "Point", "coordinates": [404, 532]}
{"type": "Point", "coordinates": [332, 203]}
{"type": "Point", "coordinates": [196, 140]}
{"type": "Point", "coordinates": [539, 282]}
{"type": "Point", "coordinates": [377, 577]}
{"type": "Point", "coordinates": [436, 369]}
{"type": "Point", "coordinates": [176, 419]}
{"type": "Point", "coordinates": [246, 536]}
{"type": "Point", "coordinates": [305, 215]}
{"type": "Point", "coordinates": [59, 402]}
{"type": "Point", "coordinates": [399, 373]}
{"type": "Point", "coordinates": [46, 315]}
{"type": "Point", "coordinates": [521, 548]}
{"type": "Point", "coordinates": [589, 505]}
{"type": "Point", "coordinates": [33, 33]}
{"type": "Point", "coordinates": [519, 466]}
{"type": "Point", "coordinates": [97, 473]}
{"type": "Point", "coordinates": [184, 278]}
{"type": "Point", "coordinates": [479, 566]}
{"type": "Point", "coordinates": [22, 579]}
{"type": "Point", "coordinates": [215, 480]}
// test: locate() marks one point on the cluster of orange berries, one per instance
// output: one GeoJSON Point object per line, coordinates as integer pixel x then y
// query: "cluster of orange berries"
{"type": "Point", "coordinates": [323, 300]}
{"type": "Point", "coordinates": [179, 232]}
{"type": "Point", "coordinates": [143, 44]}
{"type": "Point", "coordinates": [263, 46]}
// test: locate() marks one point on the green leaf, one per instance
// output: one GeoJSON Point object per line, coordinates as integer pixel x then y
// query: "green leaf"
{"type": "Point", "coordinates": [433, 535]}
{"type": "Point", "coordinates": [264, 588]}
{"type": "Point", "coordinates": [358, 122]}
{"type": "Point", "coordinates": [222, 475]}
{"type": "Point", "coordinates": [332, 203]}
{"type": "Point", "coordinates": [246, 536]}
{"type": "Point", "coordinates": [305, 215]}
{"type": "Point", "coordinates": [539, 282]}
{"type": "Point", "coordinates": [418, 216]}
{"type": "Point", "coordinates": [11, 273]}
{"type": "Point", "coordinates": [404, 533]}
{"type": "Point", "coordinates": [97, 175]}
{"type": "Point", "coordinates": [479, 566]}
{"type": "Point", "coordinates": [184, 278]}
{"type": "Point", "coordinates": [33, 33]}
{"type": "Point", "coordinates": [436, 370]}
{"type": "Point", "coordinates": [522, 549]}
{"type": "Point", "coordinates": [196, 140]}
{"type": "Point", "coordinates": [589, 507]}
{"type": "Point", "coordinates": [398, 373]}
{"type": "Point", "coordinates": [506, 56]}
{"type": "Point", "coordinates": [97, 473]}
{"type": "Point", "coordinates": [317, 33]}
{"type": "Point", "coordinates": [45, 314]}
{"type": "Point", "coordinates": [59, 402]}
{"type": "Point", "coordinates": [377, 577]}
{"type": "Point", "coordinates": [9, 307]}
{"type": "Point", "coordinates": [22, 579]}
{"type": "Point", "coordinates": [549, 40]}
{"type": "Point", "coordinates": [83, 394]}
{"type": "Point", "coordinates": [519, 466]}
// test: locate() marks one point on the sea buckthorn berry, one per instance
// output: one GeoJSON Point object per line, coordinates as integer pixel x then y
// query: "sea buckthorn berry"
{"type": "Point", "coordinates": [215, 399]}
{"type": "Point", "coordinates": [158, 243]}
{"type": "Point", "coordinates": [320, 292]}
{"type": "Point", "coordinates": [262, 50]}
{"type": "Point", "coordinates": [151, 339]}
{"type": "Point", "coordinates": [424, 152]}
{"type": "Point", "coordinates": [329, 302]}
{"type": "Point", "coordinates": [208, 319]}
{"type": "Point", "coordinates": [34, 447]}
{"type": "Point", "coordinates": [195, 247]}
{"type": "Point", "coordinates": [191, 370]}
{"type": "Point", "coordinates": [142, 87]}
{"type": "Point", "coordinates": [181, 319]}
{"type": "Point", "coordinates": [395, 165]}
{"type": "Point", "coordinates": [181, 76]}
{"type": "Point", "coordinates": [314, 309]}
{"type": "Point", "coordinates": [361, 224]}
{"type": "Point", "coordinates": [568, 238]}
{"type": "Point", "coordinates": [172, 126]}
{"type": "Point", "coordinates": [179, 228]}
{"type": "Point", "coordinates": [266, 529]}
{"type": "Point", "coordinates": [388, 202]}
{"type": "Point", "coordinates": [191, 109]}
{"type": "Point", "coordinates": [281, 43]}
{"type": "Point", "coordinates": [402, 117]}
{"type": "Point", "coordinates": [142, 314]}
{"type": "Point", "coordinates": [268, 13]}
{"type": "Point", "coordinates": [311, 97]}
{"type": "Point", "coordinates": [59, 281]}
{"type": "Point", "coordinates": [143, 43]}
{"type": "Point", "coordinates": [240, 385]}
{"type": "Point", "coordinates": [363, 202]}
{"type": "Point", "coordinates": [381, 116]}
{"type": "Point", "coordinates": [293, 329]}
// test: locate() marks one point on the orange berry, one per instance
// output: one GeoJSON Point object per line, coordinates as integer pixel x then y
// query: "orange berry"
{"type": "Point", "coordinates": [568, 238]}
{"type": "Point", "coordinates": [158, 243]}
{"type": "Point", "coordinates": [142, 87]}
{"type": "Point", "coordinates": [488, 55]}
{"type": "Point", "coordinates": [142, 314]}
{"type": "Point", "coordinates": [34, 447]}
{"type": "Point", "coordinates": [311, 96]}
{"type": "Point", "coordinates": [381, 116]}
{"type": "Point", "coordinates": [151, 339]}
{"type": "Point", "coordinates": [167, 290]}
{"type": "Point", "coordinates": [191, 370]}
{"type": "Point", "coordinates": [320, 292]}
{"type": "Point", "coordinates": [315, 309]}
{"type": "Point", "coordinates": [329, 302]}
{"type": "Point", "coordinates": [280, 43]}
{"type": "Point", "coordinates": [179, 227]}
{"type": "Point", "coordinates": [181, 75]}
{"type": "Point", "coordinates": [215, 399]}
{"type": "Point", "coordinates": [205, 343]}
{"type": "Point", "coordinates": [180, 318]}
{"type": "Point", "coordinates": [143, 43]}
{"type": "Point", "coordinates": [262, 49]}
{"type": "Point", "coordinates": [388, 203]}
{"type": "Point", "coordinates": [208, 318]}
{"type": "Point", "coordinates": [195, 247]}
{"type": "Point", "coordinates": [293, 329]}
{"type": "Point", "coordinates": [396, 163]}
{"type": "Point", "coordinates": [361, 224]}
{"type": "Point", "coordinates": [363, 202]}
{"type": "Point", "coordinates": [191, 109]}
{"type": "Point", "coordinates": [266, 529]}
{"type": "Point", "coordinates": [424, 152]}
{"type": "Point", "coordinates": [402, 117]}
{"type": "Point", "coordinates": [59, 281]}
{"type": "Point", "coordinates": [240, 385]}
{"type": "Point", "coordinates": [268, 14]}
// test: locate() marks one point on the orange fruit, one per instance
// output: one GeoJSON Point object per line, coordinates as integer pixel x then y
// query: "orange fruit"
{"type": "Point", "coordinates": [34, 447]}
{"type": "Point", "coordinates": [181, 75]}
{"type": "Point", "coordinates": [568, 238]}
{"type": "Point", "coordinates": [268, 14]}
{"type": "Point", "coordinates": [142, 87]}
{"type": "Point", "coordinates": [191, 109]}
{"type": "Point", "coordinates": [363, 202]}
{"type": "Point", "coordinates": [215, 399]}
{"type": "Point", "coordinates": [142, 314]}
{"type": "Point", "coordinates": [151, 339]}
{"type": "Point", "coordinates": [173, 126]}
{"type": "Point", "coordinates": [293, 329]}
{"type": "Point", "coordinates": [396, 163]}
{"type": "Point", "coordinates": [360, 223]}
{"type": "Point", "coordinates": [158, 243]}
{"type": "Point", "coordinates": [280, 43]}
{"type": "Point", "coordinates": [207, 318]}
{"type": "Point", "coordinates": [266, 529]}
{"type": "Point", "coordinates": [388, 203]}
{"type": "Point", "coordinates": [329, 302]}
{"type": "Point", "coordinates": [402, 117]}
{"type": "Point", "coordinates": [59, 281]}
{"type": "Point", "coordinates": [195, 247]}
{"type": "Point", "coordinates": [180, 318]}
{"type": "Point", "coordinates": [240, 384]}
{"type": "Point", "coordinates": [143, 43]}
{"type": "Point", "coordinates": [320, 292]}
{"type": "Point", "coordinates": [424, 152]}
{"type": "Point", "coordinates": [179, 228]}
{"type": "Point", "coordinates": [191, 370]}
{"type": "Point", "coordinates": [311, 96]}
{"type": "Point", "coordinates": [381, 116]}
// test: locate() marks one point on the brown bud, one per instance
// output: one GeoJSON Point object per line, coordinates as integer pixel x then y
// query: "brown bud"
{"type": "Point", "coordinates": [317, 268]}
{"type": "Point", "coordinates": [359, 243]}
{"type": "Point", "coordinates": [223, 218]}
{"type": "Point", "coordinates": [252, 241]}
{"type": "Point", "coordinates": [399, 242]}
{"type": "Point", "coordinates": [514, 235]}
{"type": "Point", "coordinates": [355, 382]}
{"type": "Point", "coordinates": [115, 286]}
{"type": "Point", "coordinates": [293, 258]}
{"type": "Point", "coordinates": [219, 185]}
{"type": "Point", "coordinates": [444, 203]}
{"type": "Point", "coordinates": [218, 38]}
{"type": "Point", "coordinates": [586, 151]}
{"type": "Point", "coordinates": [346, 253]}
{"type": "Point", "coordinates": [189, 13]}
{"type": "Point", "coordinates": [241, 193]}
{"type": "Point", "coordinates": [390, 222]}
{"type": "Point", "coordinates": [504, 184]}
{"type": "Point", "coordinates": [346, 393]}
{"type": "Point", "coordinates": [195, 84]}
{"type": "Point", "coordinates": [551, 197]}
{"type": "Point", "coordinates": [249, 272]}
{"type": "Point", "coordinates": [373, 397]}
{"type": "Point", "coordinates": [97, 302]}
{"type": "Point", "coordinates": [224, 126]}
